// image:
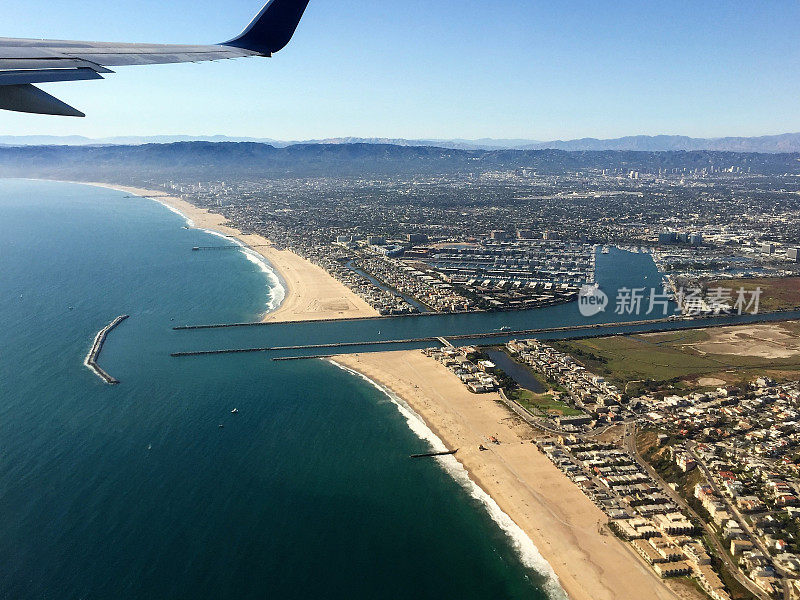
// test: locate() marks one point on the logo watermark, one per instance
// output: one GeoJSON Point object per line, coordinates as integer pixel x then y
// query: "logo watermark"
{"type": "Point", "coordinates": [592, 300]}
{"type": "Point", "coordinates": [686, 301]}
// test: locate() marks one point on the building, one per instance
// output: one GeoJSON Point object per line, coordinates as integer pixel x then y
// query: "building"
{"type": "Point", "coordinates": [667, 237]}
{"type": "Point", "coordinates": [574, 420]}
{"type": "Point", "coordinates": [674, 524]}
{"type": "Point", "coordinates": [767, 248]}
{"type": "Point", "coordinates": [696, 239]}
{"type": "Point", "coordinates": [672, 569]}
{"type": "Point", "coordinates": [417, 238]}
{"type": "Point", "coordinates": [498, 235]}
{"type": "Point", "coordinates": [376, 240]}
{"type": "Point", "coordinates": [525, 234]}
{"type": "Point", "coordinates": [793, 254]}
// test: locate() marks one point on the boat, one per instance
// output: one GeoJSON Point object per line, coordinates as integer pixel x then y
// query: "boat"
{"type": "Point", "coordinates": [234, 411]}
{"type": "Point", "coordinates": [221, 426]}
{"type": "Point", "coordinates": [505, 328]}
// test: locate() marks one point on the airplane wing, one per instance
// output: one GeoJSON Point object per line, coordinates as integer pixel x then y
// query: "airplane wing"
{"type": "Point", "coordinates": [24, 62]}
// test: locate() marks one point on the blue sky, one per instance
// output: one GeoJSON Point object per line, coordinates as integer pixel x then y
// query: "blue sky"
{"type": "Point", "coordinates": [437, 69]}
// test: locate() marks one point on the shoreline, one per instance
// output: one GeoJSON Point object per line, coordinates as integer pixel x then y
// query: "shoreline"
{"type": "Point", "coordinates": [309, 292]}
{"type": "Point", "coordinates": [554, 527]}
{"type": "Point", "coordinates": [522, 543]}
{"type": "Point", "coordinates": [566, 529]}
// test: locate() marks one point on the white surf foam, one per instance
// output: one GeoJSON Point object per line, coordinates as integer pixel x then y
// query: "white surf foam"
{"type": "Point", "coordinates": [189, 222]}
{"type": "Point", "coordinates": [522, 544]}
{"type": "Point", "coordinates": [276, 291]}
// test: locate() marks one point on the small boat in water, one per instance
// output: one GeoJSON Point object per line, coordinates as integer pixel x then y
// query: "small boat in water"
{"type": "Point", "coordinates": [234, 411]}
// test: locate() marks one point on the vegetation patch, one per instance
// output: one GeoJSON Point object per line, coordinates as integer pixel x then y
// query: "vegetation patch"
{"type": "Point", "coordinates": [669, 363]}
{"type": "Point", "coordinates": [777, 293]}
{"type": "Point", "coordinates": [542, 404]}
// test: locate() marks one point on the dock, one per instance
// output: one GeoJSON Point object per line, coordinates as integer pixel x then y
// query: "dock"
{"type": "Point", "coordinates": [97, 346]}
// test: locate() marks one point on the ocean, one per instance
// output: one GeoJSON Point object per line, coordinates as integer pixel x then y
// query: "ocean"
{"type": "Point", "coordinates": [154, 488]}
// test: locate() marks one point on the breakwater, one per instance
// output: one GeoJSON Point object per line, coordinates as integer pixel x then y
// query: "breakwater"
{"type": "Point", "coordinates": [97, 346]}
{"type": "Point", "coordinates": [426, 339]}
{"type": "Point", "coordinates": [580, 331]}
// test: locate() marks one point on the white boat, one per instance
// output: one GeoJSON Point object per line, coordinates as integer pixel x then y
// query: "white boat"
{"type": "Point", "coordinates": [234, 411]}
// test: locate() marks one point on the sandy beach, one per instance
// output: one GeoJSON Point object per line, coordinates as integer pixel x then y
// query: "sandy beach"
{"type": "Point", "coordinates": [311, 294]}
{"type": "Point", "coordinates": [567, 528]}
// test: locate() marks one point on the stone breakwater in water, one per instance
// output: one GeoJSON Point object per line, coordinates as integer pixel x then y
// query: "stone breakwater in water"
{"type": "Point", "coordinates": [97, 346]}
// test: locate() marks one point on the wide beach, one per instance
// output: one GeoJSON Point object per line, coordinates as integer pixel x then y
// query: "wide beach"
{"type": "Point", "coordinates": [565, 526]}
{"type": "Point", "coordinates": [311, 294]}
{"type": "Point", "coordinates": [568, 530]}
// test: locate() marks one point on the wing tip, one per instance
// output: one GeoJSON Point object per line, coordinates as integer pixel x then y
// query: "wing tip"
{"type": "Point", "coordinates": [272, 28]}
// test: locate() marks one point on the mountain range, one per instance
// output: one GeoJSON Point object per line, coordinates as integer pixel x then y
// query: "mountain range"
{"type": "Point", "coordinates": [787, 142]}
{"type": "Point", "coordinates": [227, 160]}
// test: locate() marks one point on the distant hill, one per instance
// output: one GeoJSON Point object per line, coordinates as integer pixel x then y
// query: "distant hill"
{"type": "Point", "coordinates": [772, 144]}
{"type": "Point", "coordinates": [207, 160]}
{"type": "Point", "coordinates": [787, 142]}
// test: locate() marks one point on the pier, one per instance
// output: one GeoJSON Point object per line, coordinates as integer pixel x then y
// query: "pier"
{"type": "Point", "coordinates": [333, 346]}
{"type": "Point", "coordinates": [97, 346]}
{"type": "Point", "coordinates": [231, 247]}
{"type": "Point", "coordinates": [434, 454]}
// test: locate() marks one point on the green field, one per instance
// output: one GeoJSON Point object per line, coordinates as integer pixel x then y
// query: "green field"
{"type": "Point", "coordinates": [777, 293]}
{"type": "Point", "coordinates": [542, 403]}
{"type": "Point", "coordinates": [667, 362]}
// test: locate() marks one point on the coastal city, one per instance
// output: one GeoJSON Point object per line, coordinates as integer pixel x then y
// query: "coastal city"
{"type": "Point", "coordinates": [517, 239]}
{"type": "Point", "coordinates": [698, 475]}
{"type": "Point", "coordinates": [658, 462]}
{"type": "Point", "coordinates": [703, 485]}
{"type": "Point", "coordinates": [375, 300]}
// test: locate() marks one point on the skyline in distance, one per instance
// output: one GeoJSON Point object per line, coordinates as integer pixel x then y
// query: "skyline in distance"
{"type": "Point", "coordinates": [469, 70]}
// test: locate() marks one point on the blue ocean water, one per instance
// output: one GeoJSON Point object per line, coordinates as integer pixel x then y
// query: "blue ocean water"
{"type": "Point", "coordinates": [135, 491]}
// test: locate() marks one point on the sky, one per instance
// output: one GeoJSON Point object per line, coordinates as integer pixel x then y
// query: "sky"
{"type": "Point", "coordinates": [435, 69]}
